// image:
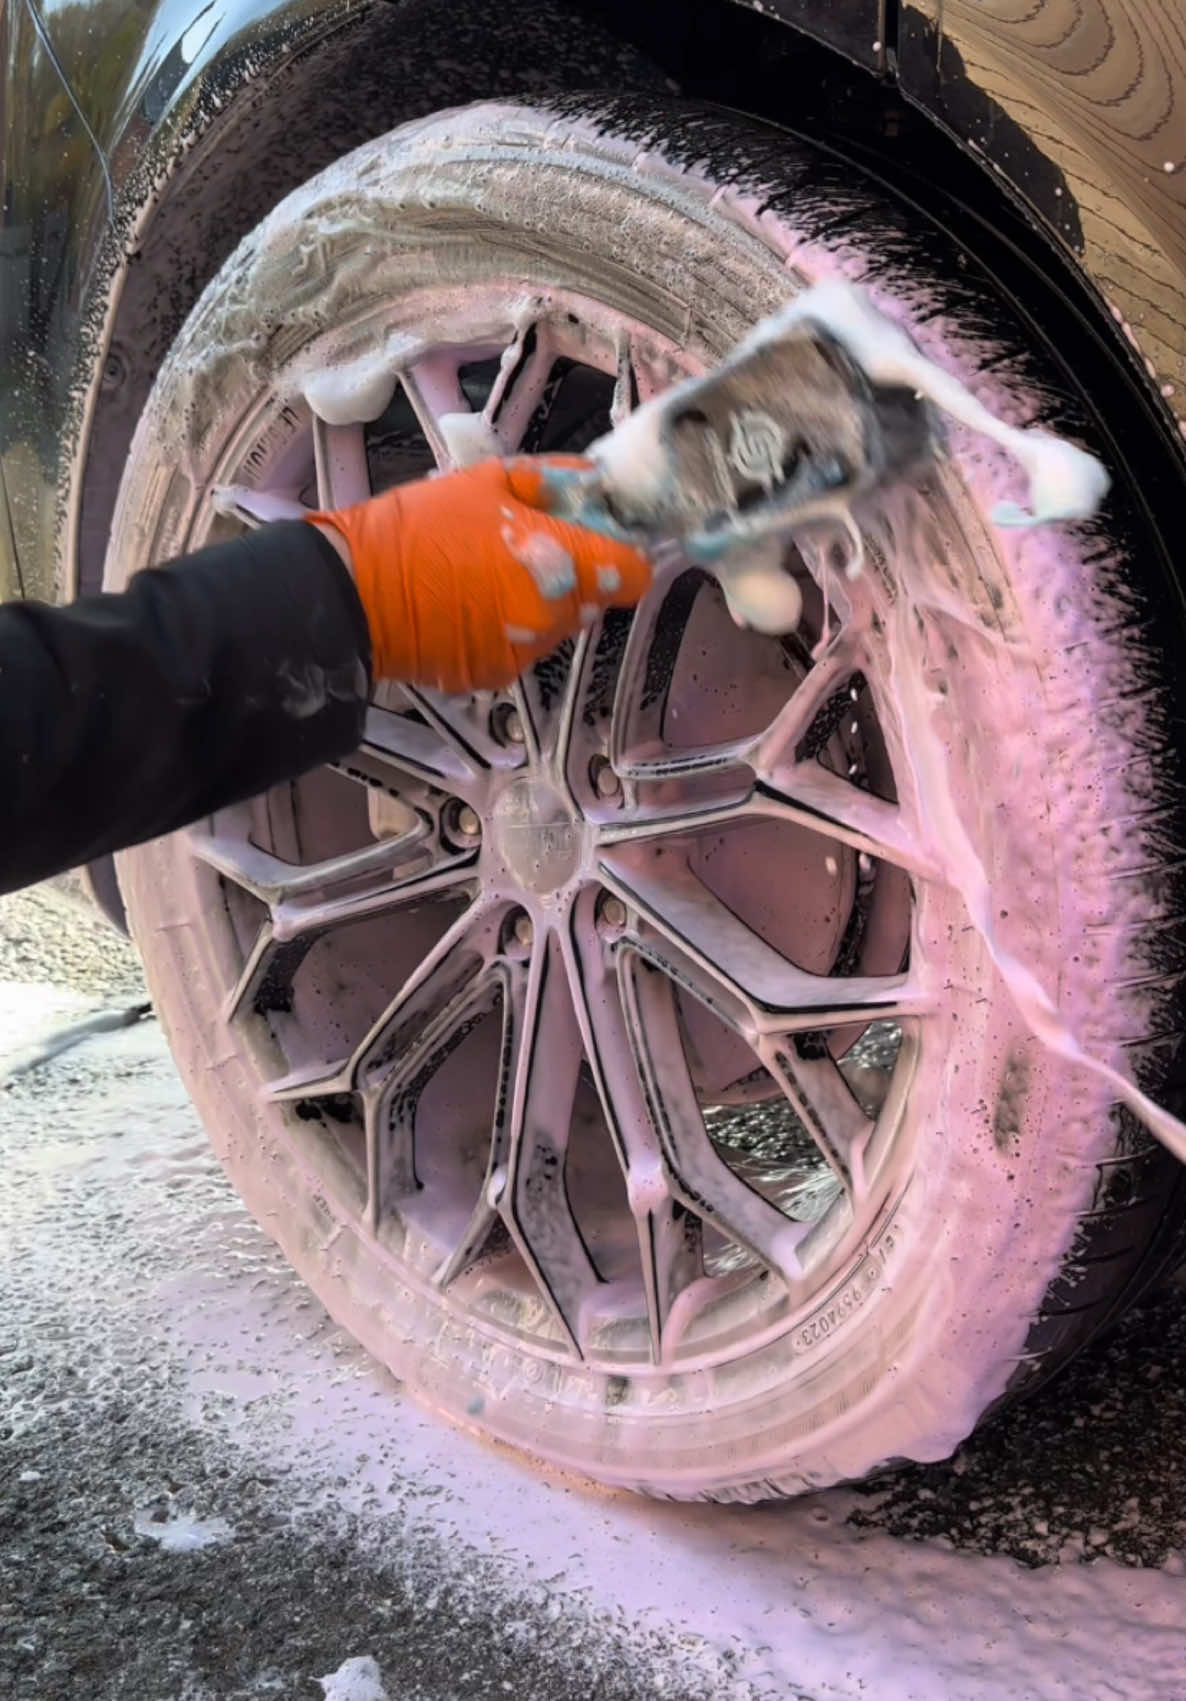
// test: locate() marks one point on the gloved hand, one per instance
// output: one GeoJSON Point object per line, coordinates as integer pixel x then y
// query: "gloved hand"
{"type": "Point", "coordinates": [466, 579]}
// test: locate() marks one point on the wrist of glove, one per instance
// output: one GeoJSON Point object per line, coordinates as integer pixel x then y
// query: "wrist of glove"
{"type": "Point", "coordinates": [466, 579]}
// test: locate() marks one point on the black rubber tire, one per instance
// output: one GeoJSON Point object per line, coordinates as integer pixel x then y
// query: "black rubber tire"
{"type": "Point", "coordinates": [718, 167]}
{"type": "Point", "coordinates": [1133, 1231]}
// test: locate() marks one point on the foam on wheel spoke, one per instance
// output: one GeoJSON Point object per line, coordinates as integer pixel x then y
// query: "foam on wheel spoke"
{"type": "Point", "coordinates": [433, 388]}
{"type": "Point", "coordinates": [626, 389]}
{"type": "Point", "coordinates": [519, 390]}
{"type": "Point", "coordinates": [809, 796]}
{"type": "Point", "coordinates": [648, 664]}
{"type": "Point", "coordinates": [446, 1008]}
{"type": "Point", "coordinates": [396, 748]}
{"type": "Point", "coordinates": [704, 946]}
{"type": "Point", "coordinates": [277, 883]}
{"type": "Point", "coordinates": [817, 706]}
{"type": "Point", "coordinates": [824, 1103]}
{"type": "Point", "coordinates": [303, 903]}
{"type": "Point", "coordinates": [704, 1181]}
{"type": "Point", "coordinates": [543, 1057]}
{"type": "Point", "coordinates": [464, 724]}
{"type": "Point", "coordinates": [445, 975]}
{"type": "Point", "coordinates": [668, 1232]}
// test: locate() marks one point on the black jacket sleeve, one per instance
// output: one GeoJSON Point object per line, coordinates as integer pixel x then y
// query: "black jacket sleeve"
{"type": "Point", "coordinates": [208, 680]}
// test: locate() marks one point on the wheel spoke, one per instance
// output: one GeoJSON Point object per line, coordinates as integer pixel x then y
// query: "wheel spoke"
{"type": "Point", "coordinates": [669, 1235]}
{"type": "Point", "coordinates": [256, 507]}
{"type": "Point", "coordinates": [440, 983]}
{"type": "Point", "coordinates": [532, 721]}
{"type": "Point", "coordinates": [816, 799]}
{"type": "Point", "coordinates": [704, 1180]}
{"type": "Point", "coordinates": [825, 693]}
{"type": "Point", "coordinates": [542, 1048]}
{"type": "Point", "coordinates": [447, 1009]}
{"type": "Point", "coordinates": [625, 397]}
{"type": "Point", "coordinates": [433, 388]}
{"type": "Point", "coordinates": [569, 742]}
{"type": "Point", "coordinates": [464, 723]}
{"type": "Point", "coordinates": [430, 750]}
{"type": "Point", "coordinates": [649, 656]}
{"type": "Point", "coordinates": [374, 881]}
{"type": "Point", "coordinates": [705, 947]}
{"type": "Point", "coordinates": [343, 476]}
{"type": "Point", "coordinates": [690, 764]}
{"type": "Point", "coordinates": [807, 795]}
{"type": "Point", "coordinates": [275, 882]}
{"type": "Point", "coordinates": [586, 715]}
{"type": "Point", "coordinates": [821, 1098]}
{"type": "Point", "coordinates": [520, 387]}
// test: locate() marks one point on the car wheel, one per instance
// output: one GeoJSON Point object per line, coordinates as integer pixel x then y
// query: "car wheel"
{"type": "Point", "coordinates": [608, 1054]}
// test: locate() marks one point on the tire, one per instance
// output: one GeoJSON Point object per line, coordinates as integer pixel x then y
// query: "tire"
{"type": "Point", "coordinates": [999, 1234]}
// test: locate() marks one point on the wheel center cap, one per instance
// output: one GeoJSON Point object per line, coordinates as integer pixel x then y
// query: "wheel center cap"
{"type": "Point", "coordinates": [537, 835]}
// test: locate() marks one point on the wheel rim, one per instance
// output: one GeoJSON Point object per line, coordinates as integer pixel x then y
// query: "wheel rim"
{"type": "Point", "coordinates": [657, 928]}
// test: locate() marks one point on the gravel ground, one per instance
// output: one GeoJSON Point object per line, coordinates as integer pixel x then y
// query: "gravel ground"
{"type": "Point", "coordinates": [51, 935]}
{"type": "Point", "coordinates": [207, 1493]}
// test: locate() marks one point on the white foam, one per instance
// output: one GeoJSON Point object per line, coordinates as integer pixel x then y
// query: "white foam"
{"type": "Point", "coordinates": [546, 559]}
{"type": "Point", "coordinates": [356, 1679]}
{"type": "Point", "coordinates": [355, 392]}
{"type": "Point", "coordinates": [948, 842]}
{"type": "Point", "coordinates": [468, 438]}
{"type": "Point", "coordinates": [183, 1533]}
{"type": "Point", "coordinates": [1065, 482]}
{"type": "Point", "coordinates": [759, 593]}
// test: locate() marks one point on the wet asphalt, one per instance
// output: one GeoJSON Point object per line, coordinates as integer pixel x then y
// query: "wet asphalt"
{"type": "Point", "coordinates": [176, 1525]}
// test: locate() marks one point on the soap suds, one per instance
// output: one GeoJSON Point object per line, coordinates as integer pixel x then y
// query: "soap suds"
{"type": "Point", "coordinates": [547, 560]}
{"type": "Point", "coordinates": [468, 438]}
{"type": "Point", "coordinates": [1066, 483]}
{"type": "Point", "coordinates": [357, 1679]}
{"type": "Point", "coordinates": [759, 592]}
{"type": "Point", "coordinates": [910, 623]}
{"type": "Point", "coordinates": [359, 390]}
{"type": "Point", "coordinates": [638, 461]}
{"type": "Point", "coordinates": [183, 1533]}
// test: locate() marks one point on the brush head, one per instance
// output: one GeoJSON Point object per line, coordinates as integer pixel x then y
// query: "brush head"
{"type": "Point", "coordinates": [780, 433]}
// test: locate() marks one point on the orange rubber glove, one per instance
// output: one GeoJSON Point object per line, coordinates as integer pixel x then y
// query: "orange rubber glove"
{"type": "Point", "coordinates": [466, 579]}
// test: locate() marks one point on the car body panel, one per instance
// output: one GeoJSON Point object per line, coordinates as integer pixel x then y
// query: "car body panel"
{"type": "Point", "coordinates": [1097, 89]}
{"type": "Point", "coordinates": [857, 28]}
{"type": "Point", "coordinates": [98, 103]}
{"type": "Point", "coordinates": [111, 113]}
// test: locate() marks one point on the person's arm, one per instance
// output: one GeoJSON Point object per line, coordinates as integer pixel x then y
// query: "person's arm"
{"type": "Point", "coordinates": [125, 716]}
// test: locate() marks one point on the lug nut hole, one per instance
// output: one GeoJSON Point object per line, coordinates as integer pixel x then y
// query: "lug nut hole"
{"type": "Point", "coordinates": [506, 724]}
{"type": "Point", "coordinates": [461, 825]}
{"type": "Point", "coordinates": [604, 781]}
